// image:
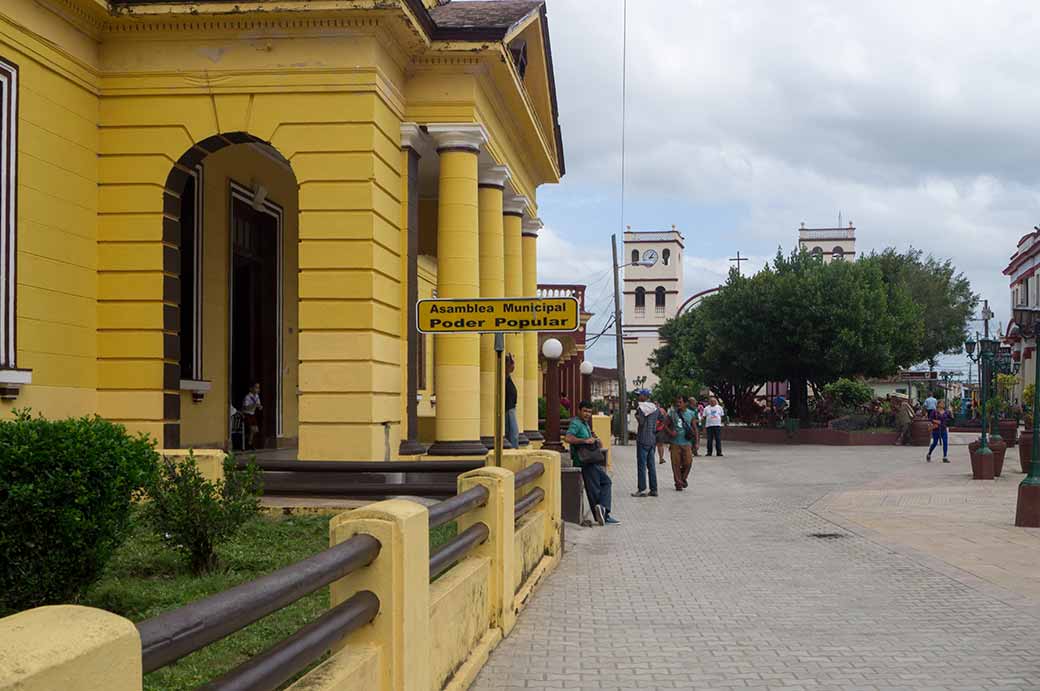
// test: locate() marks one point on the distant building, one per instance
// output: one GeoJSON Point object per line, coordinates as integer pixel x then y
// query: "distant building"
{"type": "Point", "coordinates": [1025, 305]}
{"type": "Point", "coordinates": [652, 293]}
{"type": "Point", "coordinates": [603, 385]}
{"type": "Point", "coordinates": [830, 244]}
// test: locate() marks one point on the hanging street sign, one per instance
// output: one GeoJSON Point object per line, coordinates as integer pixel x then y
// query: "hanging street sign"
{"type": "Point", "coordinates": [497, 315]}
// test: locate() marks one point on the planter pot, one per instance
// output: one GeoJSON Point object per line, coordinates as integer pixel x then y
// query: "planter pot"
{"type": "Point", "coordinates": [999, 448]}
{"type": "Point", "coordinates": [981, 466]}
{"type": "Point", "coordinates": [920, 432]}
{"type": "Point", "coordinates": [1009, 431]}
{"type": "Point", "coordinates": [1025, 449]}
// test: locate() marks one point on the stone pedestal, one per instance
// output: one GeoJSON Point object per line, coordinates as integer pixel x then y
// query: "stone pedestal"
{"type": "Point", "coordinates": [1027, 515]}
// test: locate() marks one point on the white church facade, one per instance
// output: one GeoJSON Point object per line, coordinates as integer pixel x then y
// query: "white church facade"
{"type": "Point", "coordinates": [830, 244]}
{"type": "Point", "coordinates": [653, 291]}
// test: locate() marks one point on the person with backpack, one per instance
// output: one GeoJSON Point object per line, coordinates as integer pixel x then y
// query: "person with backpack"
{"type": "Point", "coordinates": [681, 421]}
{"type": "Point", "coordinates": [647, 414]}
{"type": "Point", "coordinates": [583, 444]}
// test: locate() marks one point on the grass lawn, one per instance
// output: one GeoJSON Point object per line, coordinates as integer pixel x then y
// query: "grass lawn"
{"type": "Point", "coordinates": [146, 578]}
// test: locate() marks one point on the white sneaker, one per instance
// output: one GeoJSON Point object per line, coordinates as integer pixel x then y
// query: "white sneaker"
{"type": "Point", "coordinates": [597, 513]}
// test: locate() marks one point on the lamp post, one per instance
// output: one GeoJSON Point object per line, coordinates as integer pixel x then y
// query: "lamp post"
{"type": "Point", "coordinates": [1027, 511]}
{"type": "Point", "coordinates": [552, 349]}
{"type": "Point", "coordinates": [586, 382]}
{"type": "Point", "coordinates": [987, 352]}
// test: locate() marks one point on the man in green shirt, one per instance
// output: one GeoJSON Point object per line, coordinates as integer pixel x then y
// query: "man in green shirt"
{"type": "Point", "coordinates": [683, 431]}
{"type": "Point", "coordinates": [597, 482]}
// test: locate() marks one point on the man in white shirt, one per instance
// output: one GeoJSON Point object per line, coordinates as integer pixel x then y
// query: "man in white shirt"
{"type": "Point", "coordinates": [713, 415]}
{"type": "Point", "coordinates": [930, 402]}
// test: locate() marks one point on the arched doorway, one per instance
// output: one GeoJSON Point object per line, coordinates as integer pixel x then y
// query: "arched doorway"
{"type": "Point", "coordinates": [235, 220]}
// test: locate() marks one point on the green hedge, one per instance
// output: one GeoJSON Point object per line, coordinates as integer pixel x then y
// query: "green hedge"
{"type": "Point", "coordinates": [66, 490]}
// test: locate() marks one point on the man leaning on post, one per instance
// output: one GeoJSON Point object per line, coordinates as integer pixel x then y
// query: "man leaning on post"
{"type": "Point", "coordinates": [594, 475]}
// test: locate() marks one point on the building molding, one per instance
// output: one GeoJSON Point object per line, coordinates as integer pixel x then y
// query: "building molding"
{"type": "Point", "coordinates": [494, 176]}
{"type": "Point", "coordinates": [531, 226]}
{"type": "Point", "coordinates": [9, 87]}
{"type": "Point", "coordinates": [460, 136]}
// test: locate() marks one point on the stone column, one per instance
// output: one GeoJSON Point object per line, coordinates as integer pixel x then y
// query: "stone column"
{"type": "Point", "coordinates": [531, 226]}
{"type": "Point", "coordinates": [457, 356]}
{"type": "Point", "coordinates": [492, 285]}
{"type": "Point", "coordinates": [512, 218]}
{"type": "Point", "coordinates": [410, 136]}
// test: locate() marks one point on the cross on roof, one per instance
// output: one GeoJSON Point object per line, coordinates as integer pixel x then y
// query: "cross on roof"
{"type": "Point", "coordinates": [738, 259]}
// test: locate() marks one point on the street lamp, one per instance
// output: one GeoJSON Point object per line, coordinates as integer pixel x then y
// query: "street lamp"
{"type": "Point", "coordinates": [552, 349]}
{"type": "Point", "coordinates": [586, 385]}
{"type": "Point", "coordinates": [987, 352]}
{"type": "Point", "coordinates": [1027, 512]}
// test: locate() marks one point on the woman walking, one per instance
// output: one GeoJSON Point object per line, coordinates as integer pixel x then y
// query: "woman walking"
{"type": "Point", "coordinates": [941, 420]}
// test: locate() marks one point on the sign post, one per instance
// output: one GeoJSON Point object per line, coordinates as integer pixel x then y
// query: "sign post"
{"type": "Point", "coordinates": [498, 316]}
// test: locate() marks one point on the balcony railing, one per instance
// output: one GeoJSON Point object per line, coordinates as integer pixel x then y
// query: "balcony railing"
{"type": "Point", "coordinates": [827, 234]}
{"type": "Point", "coordinates": [563, 290]}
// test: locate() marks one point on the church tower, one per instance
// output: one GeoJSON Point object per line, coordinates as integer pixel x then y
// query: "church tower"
{"type": "Point", "coordinates": [829, 244]}
{"type": "Point", "coordinates": [652, 293]}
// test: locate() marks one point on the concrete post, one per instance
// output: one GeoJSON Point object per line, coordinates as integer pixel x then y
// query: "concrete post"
{"type": "Point", "coordinates": [400, 578]}
{"type": "Point", "coordinates": [550, 482]}
{"type": "Point", "coordinates": [69, 648]}
{"type": "Point", "coordinates": [497, 514]}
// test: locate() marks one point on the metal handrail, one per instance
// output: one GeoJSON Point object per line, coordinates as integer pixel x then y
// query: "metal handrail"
{"type": "Point", "coordinates": [270, 669]}
{"type": "Point", "coordinates": [364, 466]}
{"type": "Point", "coordinates": [457, 548]}
{"type": "Point", "coordinates": [529, 475]}
{"type": "Point", "coordinates": [524, 505]}
{"type": "Point", "coordinates": [171, 636]}
{"type": "Point", "coordinates": [450, 509]}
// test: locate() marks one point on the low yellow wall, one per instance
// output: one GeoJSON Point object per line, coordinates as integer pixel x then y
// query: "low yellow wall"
{"type": "Point", "coordinates": [528, 545]}
{"type": "Point", "coordinates": [426, 636]}
{"type": "Point", "coordinates": [209, 461]}
{"type": "Point", "coordinates": [459, 617]}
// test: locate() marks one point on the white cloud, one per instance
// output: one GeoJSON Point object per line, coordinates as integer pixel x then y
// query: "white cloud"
{"type": "Point", "coordinates": [918, 120]}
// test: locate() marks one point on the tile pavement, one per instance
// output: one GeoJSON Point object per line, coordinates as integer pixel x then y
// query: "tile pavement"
{"type": "Point", "coordinates": [724, 587]}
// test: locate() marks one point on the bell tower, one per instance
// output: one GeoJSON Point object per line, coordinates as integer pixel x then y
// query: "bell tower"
{"type": "Point", "coordinates": [652, 290]}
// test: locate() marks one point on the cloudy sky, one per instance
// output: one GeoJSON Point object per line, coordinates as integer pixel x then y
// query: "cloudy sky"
{"type": "Point", "coordinates": [916, 120]}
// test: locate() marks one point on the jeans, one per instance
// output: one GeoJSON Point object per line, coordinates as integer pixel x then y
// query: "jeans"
{"type": "Point", "coordinates": [936, 436]}
{"type": "Point", "coordinates": [645, 465]}
{"type": "Point", "coordinates": [682, 462]}
{"type": "Point", "coordinates": [714, 434]}
{"type": "Point", "coordinates": [597, 485]}
{"type": "Point", "coordinates": [512, 433]}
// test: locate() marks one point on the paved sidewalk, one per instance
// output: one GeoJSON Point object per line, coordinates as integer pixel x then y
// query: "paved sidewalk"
{"type": "Point", "coordinates": [760, 577]}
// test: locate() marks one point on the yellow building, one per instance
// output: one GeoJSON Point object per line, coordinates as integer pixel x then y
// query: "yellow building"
{"type": "Point", "coordinates": [196, 197]}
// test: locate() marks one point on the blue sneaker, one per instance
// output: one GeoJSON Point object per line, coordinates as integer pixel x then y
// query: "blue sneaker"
{"type": "Point", "coordinates": [610, 520]}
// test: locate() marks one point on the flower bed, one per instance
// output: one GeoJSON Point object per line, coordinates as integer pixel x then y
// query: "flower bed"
{"type": "Point", "coordinates": [810, 435]}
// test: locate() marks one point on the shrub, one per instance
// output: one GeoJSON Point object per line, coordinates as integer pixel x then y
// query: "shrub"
{"type": "Point", "coordinates": [848, 393]}
{"type": "Point", "coordinates": [66, 491]}
{"type": "Point", "coordinates": [196, 514]}
{"type": "Point", "coordinates": [851, 423]}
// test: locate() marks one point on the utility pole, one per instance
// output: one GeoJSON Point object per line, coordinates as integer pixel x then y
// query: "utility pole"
{"type": "Point", "coordinates": [622, 389]}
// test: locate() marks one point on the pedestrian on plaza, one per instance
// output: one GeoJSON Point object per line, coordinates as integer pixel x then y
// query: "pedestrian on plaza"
{"type": "Point", "coordinates": [647, 416]}
{"type": "Point", "coordinates": [941, 420]}
{"type": "Point", "coordinates": [662, 433]}
{"type": "Point", "coordinates": [713, 415]}
{"type": "Point", "coordinates": [691, 404]}
{"type": "Point", "coordinates": [904, 418]}
{"type": "Point", "coordinates": [680, 428]}
{"type": "Point", "coordinates": [597, 482]}
{"type": "Point", "coordinates": [930, 402]}
{"type": "Point", "coordinates": [564, 401]}
{"type": "Point", "coordinates": [512, 427]}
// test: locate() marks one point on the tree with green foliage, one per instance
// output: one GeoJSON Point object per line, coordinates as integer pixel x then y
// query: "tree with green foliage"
{"type": "Point", "coordinates": [943, 294]}
{"type": "Point", "coordinates": [798, 320]}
